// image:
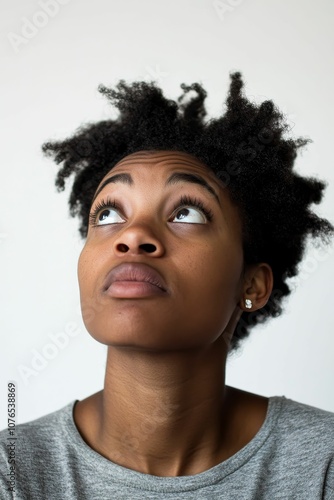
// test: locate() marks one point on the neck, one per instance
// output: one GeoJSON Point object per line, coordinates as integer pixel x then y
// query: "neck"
{"type": "Point", "coordinates": [165, 414]}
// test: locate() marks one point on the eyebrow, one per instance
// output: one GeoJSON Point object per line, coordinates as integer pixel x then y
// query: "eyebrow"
{"type": "Point", "coordinates": [175, 178]}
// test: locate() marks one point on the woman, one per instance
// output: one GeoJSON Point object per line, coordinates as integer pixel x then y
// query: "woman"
{"type": "Point", "coordinates": [192, 229]}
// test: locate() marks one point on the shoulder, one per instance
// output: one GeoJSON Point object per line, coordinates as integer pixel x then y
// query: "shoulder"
{"type": "Point", "coordinates": [289, 423]}
{"type": "Point", "coordinates": [304, 434]}
{"type": "Point", "coordinates": [304, 423]}
{"type": "Point", "coordinates": [40, 433]}
{"type": "Point", "coordinates": [304, 441]}
{"type": "Point", "coordinates": [34, 454]}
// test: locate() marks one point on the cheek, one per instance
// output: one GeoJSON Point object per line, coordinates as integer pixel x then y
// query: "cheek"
{"type": "Point", "coordinates": [211, 286]}
{"type": "Point", "coordinates": [217, 269]}
{"type": "Point", "coordinates": [87, 270]}
{"type": "Point", "coordinates": [83, 268]}
{"type": "Point", "coordinates": [90, 266]}
{"type": "Point", "coordinates": [97, 315]}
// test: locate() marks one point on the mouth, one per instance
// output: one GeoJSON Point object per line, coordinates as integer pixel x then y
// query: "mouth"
{"type": "Point", "coordinates": [131, 279]}
{"type": "Point", "coordinates": [133, 289]}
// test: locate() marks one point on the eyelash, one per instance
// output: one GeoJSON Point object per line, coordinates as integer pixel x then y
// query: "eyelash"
{"type": "Point", "coordinates": [107, 203]}
{"type": "Point", "coordinates": [184, 201]}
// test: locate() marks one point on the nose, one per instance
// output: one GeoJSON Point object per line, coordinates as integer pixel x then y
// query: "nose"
{"type": "Point", "coordinates": [139, 239]}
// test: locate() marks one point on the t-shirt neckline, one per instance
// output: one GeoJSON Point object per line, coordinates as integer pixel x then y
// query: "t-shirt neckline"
{"type": "Point", "coordinates": [141, 481]}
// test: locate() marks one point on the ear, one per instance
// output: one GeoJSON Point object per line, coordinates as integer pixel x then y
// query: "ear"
{"type": "Point", "coordinates": [257, 286]}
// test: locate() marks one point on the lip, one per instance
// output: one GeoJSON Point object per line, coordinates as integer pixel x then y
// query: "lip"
{"type": "Point", "coordinates": [132, 279]}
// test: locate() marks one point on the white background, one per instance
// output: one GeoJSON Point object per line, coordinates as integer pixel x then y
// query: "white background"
{"type": "Point", "coordinates": [49, 87]}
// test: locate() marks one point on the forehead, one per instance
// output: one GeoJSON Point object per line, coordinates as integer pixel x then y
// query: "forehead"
{"type": "Point", "coordinates": [160, 163]}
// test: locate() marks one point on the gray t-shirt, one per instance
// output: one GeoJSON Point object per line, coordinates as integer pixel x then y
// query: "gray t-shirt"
{"type": "Point", "coordinates": [291, 457]}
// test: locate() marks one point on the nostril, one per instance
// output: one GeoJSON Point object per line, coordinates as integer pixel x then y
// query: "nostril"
{"type": "Point", "coordinates": [122, 247]}
{"type": "Point", "coordinates": [148, 247]}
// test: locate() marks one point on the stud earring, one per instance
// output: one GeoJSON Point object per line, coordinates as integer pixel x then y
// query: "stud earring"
{"type": "Point", "coordinates": [248, 303]}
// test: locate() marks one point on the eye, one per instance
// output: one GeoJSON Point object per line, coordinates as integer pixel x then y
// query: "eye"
{"type": "Point", "coordinates": [105, 213]}
{"type": "Point", "coordinates": [186, 210]}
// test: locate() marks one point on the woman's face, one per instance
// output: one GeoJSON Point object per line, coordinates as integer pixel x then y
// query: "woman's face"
{"type": "Point", "coordinates": [199, 260]}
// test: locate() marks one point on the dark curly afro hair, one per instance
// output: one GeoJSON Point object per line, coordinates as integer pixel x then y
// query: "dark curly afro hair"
{"type": "Point", "coordinates": [246, 148]}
